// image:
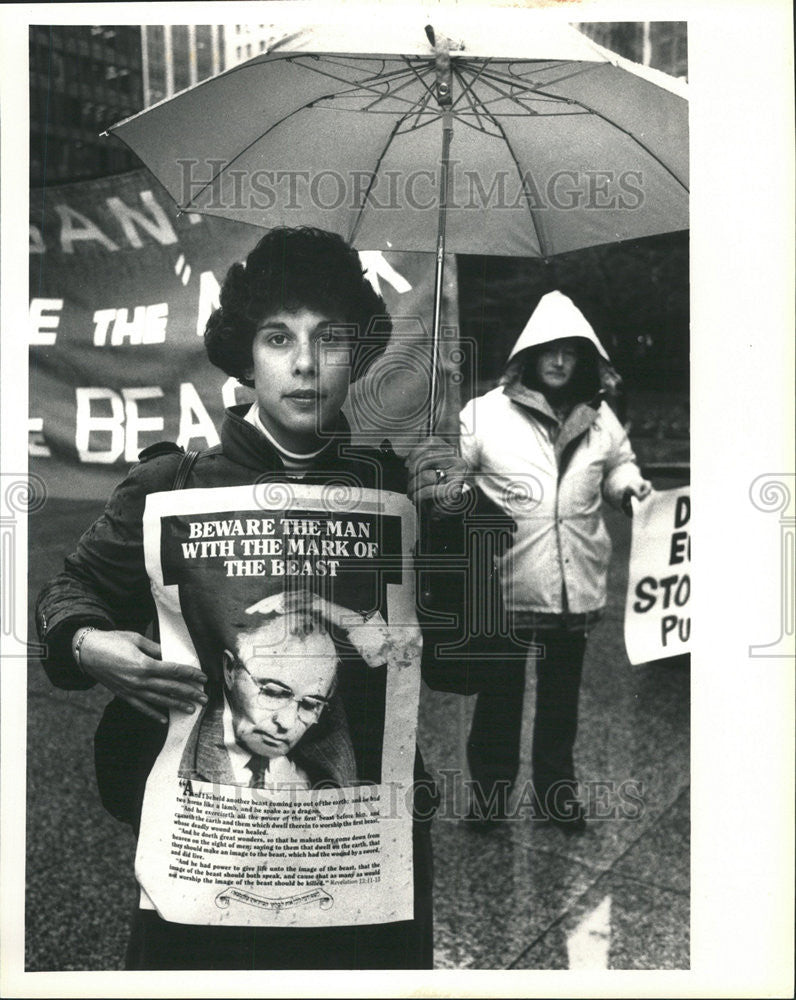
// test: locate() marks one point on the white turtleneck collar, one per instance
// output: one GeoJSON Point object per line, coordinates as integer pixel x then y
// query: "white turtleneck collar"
{"type": "Point", "coordinates": [292, 461]}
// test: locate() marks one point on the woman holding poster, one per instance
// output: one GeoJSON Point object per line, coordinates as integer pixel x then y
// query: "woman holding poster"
{"type": "Point", "coordinates": [547, 447]}
{"type": "Point", "coordinates": [283, 513]}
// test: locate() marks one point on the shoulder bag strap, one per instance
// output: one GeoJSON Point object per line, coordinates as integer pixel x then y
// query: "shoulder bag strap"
{"type": "Point", "coordinates": [184, 469]}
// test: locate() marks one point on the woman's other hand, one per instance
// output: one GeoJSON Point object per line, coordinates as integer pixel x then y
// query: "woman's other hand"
{"type": "Point", "coordinates": [437, 473]}
{"type": "Point", "coordinates": [640, 489]}
{"type": "Point", "coordinates": [129, 665]}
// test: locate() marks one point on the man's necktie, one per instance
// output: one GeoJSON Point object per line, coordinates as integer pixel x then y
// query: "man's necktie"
{"type": "Point", "coordinates": [259, 769]}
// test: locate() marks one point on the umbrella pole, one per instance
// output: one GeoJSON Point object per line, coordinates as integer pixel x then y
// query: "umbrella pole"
{"type": "Point", "coordinates": [447, 135]}
{"type": "Point", "coordinates": [443, 93]}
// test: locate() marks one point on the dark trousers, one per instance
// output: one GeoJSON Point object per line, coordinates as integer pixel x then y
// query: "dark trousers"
{"type": "Point", "coordinates": [493, 748]}
{"type": "Point", "coordinates": [158, 944]}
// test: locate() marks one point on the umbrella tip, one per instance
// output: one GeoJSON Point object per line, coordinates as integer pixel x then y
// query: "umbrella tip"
{"type": "Point", "coordinates": [430, 35]}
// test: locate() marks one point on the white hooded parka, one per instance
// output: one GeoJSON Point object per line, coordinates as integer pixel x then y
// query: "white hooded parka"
{"type": "Point", "coordinates": [551, 477]}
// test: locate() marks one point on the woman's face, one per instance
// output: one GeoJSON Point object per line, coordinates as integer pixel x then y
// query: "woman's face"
{"type": "Point", "coordinates": [301, 371]}
{"type": "Point", "coordinates": [556, 364]}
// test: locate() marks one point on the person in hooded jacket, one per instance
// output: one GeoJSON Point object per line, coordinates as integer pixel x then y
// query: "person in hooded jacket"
{"type": "Point", "coordinates": [547, 448]}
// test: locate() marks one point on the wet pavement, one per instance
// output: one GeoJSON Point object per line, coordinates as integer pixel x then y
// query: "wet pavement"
{"type": "Point", "coordinates": [524, 895]}
{"type": "Point", "coordinates": [517, 896]}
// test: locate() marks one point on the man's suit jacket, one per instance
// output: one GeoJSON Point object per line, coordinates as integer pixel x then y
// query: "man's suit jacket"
{"type": "Point", "coordinates": [325, 753]}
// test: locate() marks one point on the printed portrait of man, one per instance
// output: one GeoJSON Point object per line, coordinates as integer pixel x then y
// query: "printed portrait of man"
{"type": "Point", "coordinates": [277, 718]}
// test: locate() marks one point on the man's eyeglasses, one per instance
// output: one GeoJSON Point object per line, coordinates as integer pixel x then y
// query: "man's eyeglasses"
{"type": "Point", "coordinates": [272, 697]}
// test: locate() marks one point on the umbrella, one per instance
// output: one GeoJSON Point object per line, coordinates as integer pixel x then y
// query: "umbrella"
{"type": "Point", "coordinates": [517, 136]}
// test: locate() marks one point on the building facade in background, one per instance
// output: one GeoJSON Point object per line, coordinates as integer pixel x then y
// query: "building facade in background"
{"type": "Point", "coordinates": [662, 45]}
{"type": "Point", "coordinates": [84, 78]}
{"type": "Point", "coordinates": [244, 41]}
{"type": "Point", "coordinates": [176, 56]}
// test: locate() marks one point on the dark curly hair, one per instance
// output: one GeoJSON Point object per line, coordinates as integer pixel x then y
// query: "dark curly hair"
{"type": "Point", "coordinates": [288, 270]}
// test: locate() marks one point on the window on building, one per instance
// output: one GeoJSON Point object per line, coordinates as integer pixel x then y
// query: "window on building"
{"type": "Point", "coordinates": [180, 51]}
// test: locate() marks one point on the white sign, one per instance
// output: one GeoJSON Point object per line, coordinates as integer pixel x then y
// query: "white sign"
{"type": "Point", "coordinates": [657, 616]}
{"type": "Point", "coordinates": [287, 802]}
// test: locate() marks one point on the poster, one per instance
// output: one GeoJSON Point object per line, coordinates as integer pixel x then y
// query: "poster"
{"type": "Point", "coordinates": [657, 611]}
{"type": "Point", "coordinates": [286, 801]}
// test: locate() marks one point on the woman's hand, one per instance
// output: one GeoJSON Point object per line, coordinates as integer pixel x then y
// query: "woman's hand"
{"type": "Point", "coordinates": [640, 489]}
{"type": "Point", "coordinates": [129, 664]}
{"type": "Point", "coordinates": [437, 473]}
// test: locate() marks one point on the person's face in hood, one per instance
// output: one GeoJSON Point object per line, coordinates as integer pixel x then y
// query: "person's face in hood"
{"type": "Point", "coordinates": [556, 364]}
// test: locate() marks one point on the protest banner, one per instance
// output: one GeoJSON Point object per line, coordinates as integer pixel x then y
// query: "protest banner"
{"type": "Point", "coordinates": [288, 800]}
{"type": "Point", "coordinates": [121, 288]}
{"type": "Point", "coordinates": [657, 616]}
